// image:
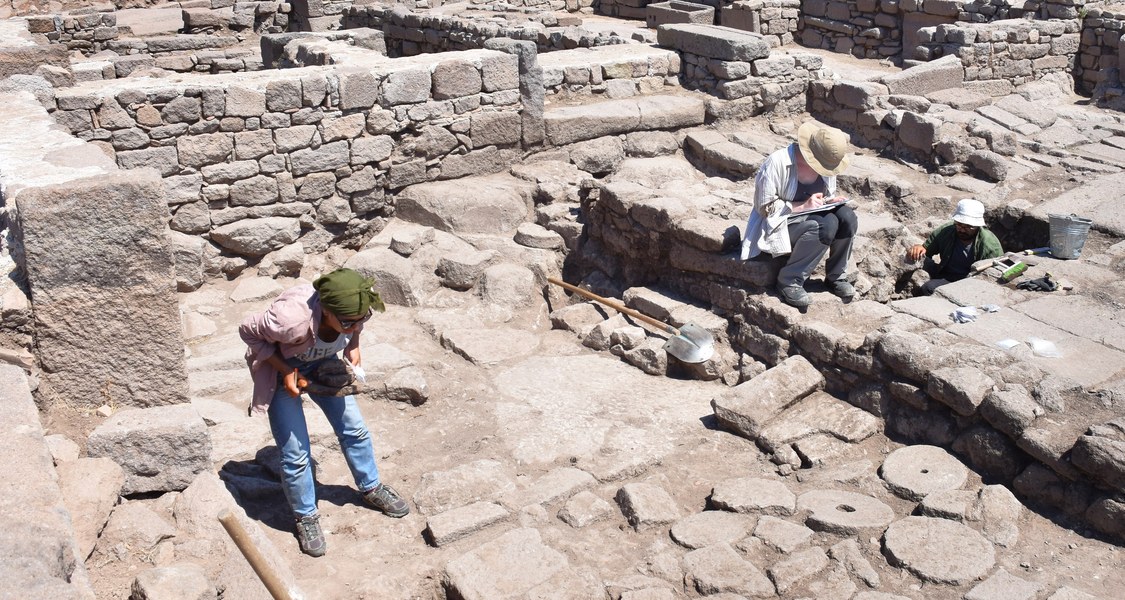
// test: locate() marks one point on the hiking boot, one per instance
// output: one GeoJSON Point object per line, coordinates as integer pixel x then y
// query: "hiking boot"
{"type": "Point", "coordinates": [794, 295]}
{"type": "Point", "coordinates": [310, 537]}
{"type": "Point", "coordinates": [841, 288]}
{"type": "Point", "coordinates": [386, 500]}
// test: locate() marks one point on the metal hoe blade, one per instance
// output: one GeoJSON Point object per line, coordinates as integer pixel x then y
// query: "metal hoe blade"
{"type": "Point", "coordinates": [691, 344]}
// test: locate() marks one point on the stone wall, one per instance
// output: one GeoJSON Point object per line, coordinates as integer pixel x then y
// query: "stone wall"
{"type": "Point", "coordinates": [410, 33]}
{"type": "Point", "coordinates": [776, 20]}
{"type": "Point", "coordinates": [259, 162]}
{"type": "Point", "coordinates": [865, 28]}
{"type": "Point", "coordinates": [88, 33]}
{"type": "Point", "coordinates": [737, 66]}
{"type": "Point", "coordinates": [1015, 51]}
{"type": "Point", "coordinates": [1098, 69]}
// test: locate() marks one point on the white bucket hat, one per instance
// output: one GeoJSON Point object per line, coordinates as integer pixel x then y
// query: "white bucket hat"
{"type": "Point", "coordinates": [824, 148]}
{"type": "Point", "coordinates": [969, 212]}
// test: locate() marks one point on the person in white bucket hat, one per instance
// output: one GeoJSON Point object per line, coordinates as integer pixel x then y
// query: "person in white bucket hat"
{"type": "Point", "coordinates": [958, 244]}
{"type": "Point", "coordinates": [798, 212]}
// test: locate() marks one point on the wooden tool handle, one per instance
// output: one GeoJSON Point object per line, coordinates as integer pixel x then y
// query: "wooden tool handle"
{"type": "Point", "coordinates": [253, 556]}
{"type": "Point", "coordinates": [621, 308]}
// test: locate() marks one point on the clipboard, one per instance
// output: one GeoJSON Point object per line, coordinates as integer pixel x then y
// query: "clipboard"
{"type": "Point", "coordinates": [820, 209]}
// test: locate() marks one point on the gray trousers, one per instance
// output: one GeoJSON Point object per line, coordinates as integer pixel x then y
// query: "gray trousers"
{"type": "Point", "coordinates": [814, 237]}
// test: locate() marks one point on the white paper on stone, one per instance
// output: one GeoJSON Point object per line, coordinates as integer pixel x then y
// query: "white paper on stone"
{"type": "Point", "coordinates": [1044, 348]}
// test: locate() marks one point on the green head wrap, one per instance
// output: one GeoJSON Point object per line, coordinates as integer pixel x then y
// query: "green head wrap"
{"type": "Point", "coordinates": [346, 293]}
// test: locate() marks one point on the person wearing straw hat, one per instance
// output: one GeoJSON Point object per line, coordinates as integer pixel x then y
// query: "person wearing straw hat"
{"type": "Point", "coordinates": [798, 212]}
{"type": "Point", "coordinates": [958, 243]}
{"type": "Point", "coordinates": [305, 327]}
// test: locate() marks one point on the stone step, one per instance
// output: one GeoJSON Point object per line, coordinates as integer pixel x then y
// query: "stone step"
{"type": "Point", "coordinates": [718, 152]}
{"type": "Point", "coordinates": [569, 124]}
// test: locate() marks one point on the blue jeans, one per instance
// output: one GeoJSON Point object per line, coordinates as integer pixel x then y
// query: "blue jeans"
{"type": "Point", "coordinates": [291, 434]}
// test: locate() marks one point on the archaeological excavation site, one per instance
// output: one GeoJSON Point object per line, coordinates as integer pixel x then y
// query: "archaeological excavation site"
{"type": "Point", "coordinates": [661, 300]}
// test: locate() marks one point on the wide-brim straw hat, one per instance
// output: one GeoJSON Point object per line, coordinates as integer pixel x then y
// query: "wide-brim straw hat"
{"type": "Point", "coordinates": [824, 148]}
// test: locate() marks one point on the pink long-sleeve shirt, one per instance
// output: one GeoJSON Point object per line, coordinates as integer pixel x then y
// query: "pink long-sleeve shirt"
{"type": "Point", "coordinates": [289, 327]}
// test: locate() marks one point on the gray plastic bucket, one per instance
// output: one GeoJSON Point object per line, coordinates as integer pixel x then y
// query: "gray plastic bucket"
{"type": "Point", "coordinates": [1068, 235]}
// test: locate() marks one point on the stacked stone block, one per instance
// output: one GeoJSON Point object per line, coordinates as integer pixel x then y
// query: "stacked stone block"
{"type": "Point", "coordinates": [776, 20]}
{"type": "Point", "coordinates": [865, 29]}
{"type": "Point", "coordinates": [1015, 51]}
{"type": "Point", "coordinates": [624, 9]}
{"type": "Point", "coordinates": [87, 33]}
{"type": "Point", "coordinates": [409, 33]}
{"type": "Point", "coordinates": [253, 164]}
{"type": "Point", "coordinates": [737, 66]}
{"type": "Point", "coordinates": [227, 15]}
{"type": "Point", "coordinates": [1098, 70]}
{"type": "Point", "coordinates": [632, 70]}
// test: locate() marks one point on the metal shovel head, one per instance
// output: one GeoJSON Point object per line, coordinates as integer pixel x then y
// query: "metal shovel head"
{"type": "Point", "coordinates": [693, 344]}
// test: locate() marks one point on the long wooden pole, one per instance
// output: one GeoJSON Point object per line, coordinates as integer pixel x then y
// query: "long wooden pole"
{"type": "Point", "coordinates": [621, 308]}
{"type": "Point", "coordinates": [253, 556]}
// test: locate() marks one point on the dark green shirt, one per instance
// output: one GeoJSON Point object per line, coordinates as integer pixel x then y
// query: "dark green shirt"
{"type": "Point", "coordinates": [943, 242]}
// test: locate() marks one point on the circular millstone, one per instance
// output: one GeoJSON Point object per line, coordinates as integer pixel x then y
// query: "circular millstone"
{"type": "Point", "coordinates": [844, 513]}
{"type": "Point", "coordinates": [939, 550]}
{"type": "Point", "coordinates": [914, 472]}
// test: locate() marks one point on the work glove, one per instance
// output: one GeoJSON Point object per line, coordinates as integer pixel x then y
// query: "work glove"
{"type": "Point", "coordinates": [1043, 284]}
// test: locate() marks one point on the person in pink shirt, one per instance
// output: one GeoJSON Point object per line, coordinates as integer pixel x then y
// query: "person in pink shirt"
{"type": "Point", "coordinates": [304, 327]}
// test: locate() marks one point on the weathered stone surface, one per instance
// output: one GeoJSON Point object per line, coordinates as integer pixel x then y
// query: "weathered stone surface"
{"type": "Point", "coordinates": [132, 528]}
{"type": "Point", "coordinates": [796, 568]}
{"type": "Point", "coordinates": [257, 237]}
{"type": "Point", "coordinates": [747, 408]}
{"type": "Point", "coordinates": [458, 206]}
{"type": "Point", "coordinates": [452, 525]}
{"type": "Point", "coordinates": [915, 471]}
{"type": "Point", "coordinates": [584, 508]}
{"type": "Point", "coordinates": [1102, 455]}
{"type": "Point", "coordinates": [90, 487]}
{"type": "Point", "coordinates": [160, 448]}
{"type": "Point", "coordinates": [1004, 585]}
{"type": "Point", "coordinates": [717, 569]}
{"type": "Point", "coordinates": [818, 413]}
{"type": "Point", "coordinates": [909, 354]}
{"type": "Point", "coordinates": [783, 536]}
{"type": "Point", "coordinates": [722, 43]}
{"type": "Point", "coordinates": [510, 566]}
{"type": "Point", "coordinates": [481, 480]}
{"type": "Point", "coordinates": [756, 495]}
{"type": "Point", "coordinates": [844, 513]}
{"type": "Point", "coordinates": [461, 270]}
{"type": "Point", "coordinates": [38, 547]}
{"type": "Point", "coordinates": [999, 512]}
{"type": "Point", "coordinates": [487, 347]}
{"type": "Point", "coordinates": [93, 277]}
{"type": "Point", "coordinates": [396, 279]}
{"type": "Point", "coordinates": [646, 505]}
{"type": "Point", "coordinates": [938, 550]}
{"type": "Point", "coordinates": [1010, 410]}
{"type": "Point", "coordinates": [711, 527]}
{"type": "Point", "coordinates": [961, 388]}
{"type": "Point", "coordinates": [455, 78]}
{"type": "Point", "coordinates": [849, 555]}
{"type": "Point", "coordinates": [943, 73]}
{"type": "Point", "coordinates": [557, 484]}
{"type": "Point", "coordinates": [956, 505]}
{"type": "Point", "coordinates": [508, 285]}
{"type": "Point", "coordinates": [181, 580]}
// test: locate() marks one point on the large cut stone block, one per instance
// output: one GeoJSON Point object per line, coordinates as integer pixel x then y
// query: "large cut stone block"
{"type": "Point", "coordinates": [37, 549]}
{"type": "Point", "coordinates": [713, 41]}
{"type": "Point", "coordinates": [747, 407]}
{"type": "Point", "coordinates": [943, 73]}
{"type": "Point", "coordinates": [103, 286]}
{"type": "Point", "coordinates": [511, 566]}
{"type": "Point", "coordinates": [161, 449]}
{"type": "Point", "coordinates": [493, 204]}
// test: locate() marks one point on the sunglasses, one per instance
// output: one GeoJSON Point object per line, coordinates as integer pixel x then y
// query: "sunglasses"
{"type": "Point", "coordinates": [349, 323]}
